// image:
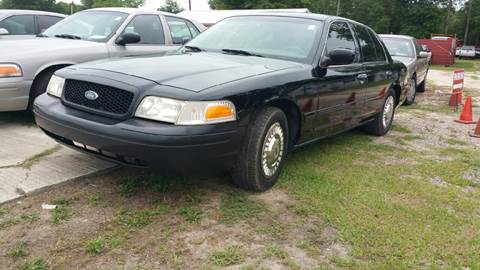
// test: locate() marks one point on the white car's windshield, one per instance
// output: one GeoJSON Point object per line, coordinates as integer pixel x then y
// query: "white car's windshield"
{"type": "Point", "coordinates": [275, 37]}
{"type": "Point", "coordinates": [399, 47]}
{"type": "Point", "coordinates": [90, 25]}
{"type": "Point", "coordinates": [468, 48]}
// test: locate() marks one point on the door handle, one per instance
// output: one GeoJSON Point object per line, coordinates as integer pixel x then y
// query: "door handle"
{"type": "Point", "coordinates": [362, 77]}
{"type": "Point", "coordinates": [389, 74]}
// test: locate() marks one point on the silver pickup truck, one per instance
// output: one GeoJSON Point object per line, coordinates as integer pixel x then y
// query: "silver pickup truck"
{"type": "Point", "coordinates": [407, 50]}
{"type": "Point", "coordinates": [26, 65]}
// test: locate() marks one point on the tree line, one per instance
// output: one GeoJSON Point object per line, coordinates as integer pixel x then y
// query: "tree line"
{"type": "Point", "coordinates": [419, 18]}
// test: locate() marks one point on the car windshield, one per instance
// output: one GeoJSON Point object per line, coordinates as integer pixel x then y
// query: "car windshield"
{"type": "Point", "coordinates": [91, 25]}
{"type": "Point", "coordinates": [468, 48]}
{"type": "Point", "coordinates": [399, 47]}
{"type": "Point", "coordinates": [275, 37]}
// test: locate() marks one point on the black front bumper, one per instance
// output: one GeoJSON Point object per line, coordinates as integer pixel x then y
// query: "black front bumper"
{"type": "Point", "coordinates": [138, 142]}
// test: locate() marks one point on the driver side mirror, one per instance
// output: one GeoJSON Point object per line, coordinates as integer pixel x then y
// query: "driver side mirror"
{"type": "Point", "coordinates": [339, 56]}
{"type": "Point", "coordinates": [422, 55]}
{"type": "Point", "coordinates": [127, 38]}
{"type": "Point", "coordinates": [4, 31]}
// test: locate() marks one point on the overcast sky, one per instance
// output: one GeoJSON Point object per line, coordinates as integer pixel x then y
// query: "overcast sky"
{"type": "Point", "coordinates": [154, 4]}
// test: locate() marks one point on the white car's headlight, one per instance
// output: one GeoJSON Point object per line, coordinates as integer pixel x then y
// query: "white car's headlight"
{"type": "Point", "coordinates": [55, 86]}
{"type": "Point", "coordinates": [186, 112]}
{"type": "Point", "coordinates": [10, 70]}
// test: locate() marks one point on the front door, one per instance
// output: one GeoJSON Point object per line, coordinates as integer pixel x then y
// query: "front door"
{"type": "Point", "coordinates": [340, 88]}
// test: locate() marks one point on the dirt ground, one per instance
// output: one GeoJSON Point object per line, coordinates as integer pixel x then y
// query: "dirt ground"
{"type": "Point", "coordinates": [132, 219]}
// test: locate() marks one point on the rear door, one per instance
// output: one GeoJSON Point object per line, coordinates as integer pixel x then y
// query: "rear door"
{"type": "Point", "coordinates": [340, 91]}
{"type": "Point", "coordinates": [152, 37]}
{"type": "Point", "coordinates": [377, 68]}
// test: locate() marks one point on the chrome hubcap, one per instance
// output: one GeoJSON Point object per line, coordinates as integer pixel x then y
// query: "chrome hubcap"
{"type": "Point", "coordinates": [388, 110]}
{"type": "Point", "coordinates": [272, 150]}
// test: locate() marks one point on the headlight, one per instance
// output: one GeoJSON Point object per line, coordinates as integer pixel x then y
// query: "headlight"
{"type": "Point", "coordinates": [186, 112]}
{"type": "Point", "coordinates": [55, 86]}
{"type": "Point", "coordinates": [10, 70]}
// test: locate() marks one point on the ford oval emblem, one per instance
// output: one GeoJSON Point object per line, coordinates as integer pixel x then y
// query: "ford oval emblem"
{"type": "Point", "coordinates": [91, 95]}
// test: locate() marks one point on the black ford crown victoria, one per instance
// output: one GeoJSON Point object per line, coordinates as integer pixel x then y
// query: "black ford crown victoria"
{"type": "Point", "coordinates": [237, 97]}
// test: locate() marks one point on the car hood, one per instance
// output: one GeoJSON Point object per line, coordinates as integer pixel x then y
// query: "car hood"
{"type": "Point", "coordinates": [11, 48]}
{"type": "Point", "coordinates": [194, 72]}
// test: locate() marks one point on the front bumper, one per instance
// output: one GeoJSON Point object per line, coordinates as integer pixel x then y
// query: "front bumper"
{"type": "Point", "coordinates": [14, 94]}
{"type": "Point", "coordinates": [141, 143]}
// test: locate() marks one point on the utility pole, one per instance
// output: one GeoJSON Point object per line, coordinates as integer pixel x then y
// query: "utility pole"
{"type": "Point", "coordinates": [189, 4]}
{"type": "Point", "coordinates": [467, 26]}
{"type": "Point", "coordinates": [449, 14]}
{"type": "Point", "coordinates": [338, 7]}
{"type": "Point", "coordinates": [71, 8]}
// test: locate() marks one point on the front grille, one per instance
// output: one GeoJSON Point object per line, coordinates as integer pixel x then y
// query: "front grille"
{"type": "Point", "coordinates": [110, 99]}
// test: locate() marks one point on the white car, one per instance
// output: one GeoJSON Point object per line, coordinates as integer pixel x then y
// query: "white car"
{"type": "Point", "coordinates": [467, 52]}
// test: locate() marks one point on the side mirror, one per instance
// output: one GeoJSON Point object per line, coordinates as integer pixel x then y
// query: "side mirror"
{"type": "Point", "coordinates": [185, 40]}
{"type": "Point", "coordinates": [127, 38]}
{"type": "Point", "coordinates": [4, 31]}
{"type": "Point", "coordinates": [422, 55]}
{"type": "Point", "coordinates": [339, 56]}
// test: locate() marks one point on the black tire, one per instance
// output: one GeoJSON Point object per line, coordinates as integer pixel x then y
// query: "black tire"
{"type": "Point", "coordinates": [377, 127]}
{"type": "Point", "coordinates": [410, 99]}
{"type": "Point", "coordinates": [39, 86]}
{"type": "Point", "coordinates": [421, 87]}
{"type": "Point", "coordinates": [249, 172]}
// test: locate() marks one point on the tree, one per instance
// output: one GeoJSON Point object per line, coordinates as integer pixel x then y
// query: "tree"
{"type": "Point", "coordinates": [117, 3]}
{"type": "Point", "coordinates": [87, 3]}
{"type": "Point", "coordinates": [171, 6]}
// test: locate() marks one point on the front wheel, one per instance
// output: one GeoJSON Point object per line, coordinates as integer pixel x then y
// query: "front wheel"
{"type": "Point", "coordinates": [263, 152]}
{"type": "Point", "coordinates": [382, 122]}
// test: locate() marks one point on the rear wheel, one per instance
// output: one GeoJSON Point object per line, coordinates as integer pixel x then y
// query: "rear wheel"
{"type": "Point", "coordinates": [39, 86]}
{"type": "Point", "coordinates": [264, 151]}
{"type": "Point", "coordinates": [382, 122]}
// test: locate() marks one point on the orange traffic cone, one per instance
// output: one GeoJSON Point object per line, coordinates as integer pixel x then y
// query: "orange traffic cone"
{"type": "Point", "coordinates": [466, 117]}
{"type": "Point", "coordinates": [477, 130]}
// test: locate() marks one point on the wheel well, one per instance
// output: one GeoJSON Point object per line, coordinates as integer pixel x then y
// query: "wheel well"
{"type": "Point", "coordinates": [41, 73]}
{"type": "Point", "coordinates": [293, 117]}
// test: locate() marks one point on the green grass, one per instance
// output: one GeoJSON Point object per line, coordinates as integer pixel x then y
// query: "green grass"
{"type": "Point", "coordinates": [138, 219]}
{"type": "Point", "coordinates": [390, 217]}
{"type": "Point", "coordinates": [191, 214]}
{"type": "Point", "coordinates": [150, 181]}
{"type": "Point", "coordinates": [237, 206]}
{"type": "Point", "coordinates": [456, 142]}
{"type": "Point", "coordinates": [36, 264]}
{"type": "Point", "coordinates": [402, 129]}
{"type": "Point", "coordinates": [95, 246]}
{"type": "Point", "coordinates": [19, 251]}
{"type": "Point", "coordinates": [275, 251]}
{"type": "Point", "coordinates": [63, 211]}
{"type": "Point", "coordinates": [229, 256]}
{"type": "Point", "coordinates": [467, 65]}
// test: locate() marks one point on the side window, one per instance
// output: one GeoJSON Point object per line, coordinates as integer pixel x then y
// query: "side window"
{"type": "Point", "coordinates": [193, 29]}
{"type": "Point", "coordinates": [44, 22]}
{"type": "Point", "coordinates": [340, 36]}
{"type": "Point", "coordinates": [418, 48]}
{"type": "Point", "coordinates": [178, 29]}
{"type": "Point", "coordinates": [367, 45]}
{"type": "Point", "coordinates": [148, 27]}
{"type": "Point", "coordinates": [19, 25]}
{"type": "Point", "coordinates": [378, 47]}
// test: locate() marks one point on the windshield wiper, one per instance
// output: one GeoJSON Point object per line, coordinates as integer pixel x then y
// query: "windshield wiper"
{"type": "Point", "coordinates": [68, 36]}
{"type": "Point", "coordinates": [194, 48]}
{"type": "Point", "coordinates": [241, 52]}
{"type": "Point", "coordinates": [42, 35]}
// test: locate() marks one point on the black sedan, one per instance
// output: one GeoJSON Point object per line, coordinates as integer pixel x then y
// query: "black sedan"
{"type": "Point", "coordinates": [238, 97]}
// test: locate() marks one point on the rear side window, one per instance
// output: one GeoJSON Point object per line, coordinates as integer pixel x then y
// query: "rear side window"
{"type": "Point", "coordinates": [148, 27]}
{"type": "Point", "coordinates": [378, 47]}
{"type": "Point", "coordinates": [44, 22]}
{"type": "Point", "coordinates": [367, 45]}
{"type": "Point", "coordinates": [19, 25]}
{"type": "Point", "coordinates": [340, 36]}
{"type": "Point", "coordinates": [180, 29]}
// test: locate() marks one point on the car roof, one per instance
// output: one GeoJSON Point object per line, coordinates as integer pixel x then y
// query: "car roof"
{"type": "Point", "coordinates": [28, 12]}
{"type": "Point", "coordinates": [130, 11]}
{"type": "Point", "coordinates": [396, 36]}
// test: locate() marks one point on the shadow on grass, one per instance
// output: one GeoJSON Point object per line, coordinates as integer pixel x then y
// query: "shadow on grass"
{"type": "Point", "coordinates": [24, 118]}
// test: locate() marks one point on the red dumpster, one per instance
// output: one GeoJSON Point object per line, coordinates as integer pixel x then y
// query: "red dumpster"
{"type": "Point", "coordinates": [442, 48]}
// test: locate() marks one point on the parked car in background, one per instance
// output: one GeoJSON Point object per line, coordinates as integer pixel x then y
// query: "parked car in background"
{"type": "Point", "coordinates": [26, 65]}
{"type": "Point", "coordinates": [407, 50]}
{"type": "Point", "coordinates": [467, 52]}
{"type": "Point", "coordinates": [26, 23]}
{"type": "Point", "coordinates": [426, 49]}
{"type": "Point", "coordinates": [236, 98]}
